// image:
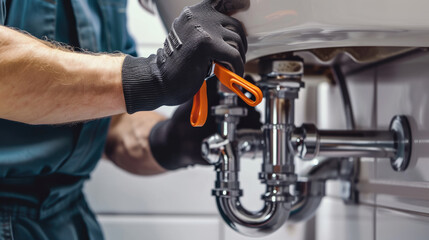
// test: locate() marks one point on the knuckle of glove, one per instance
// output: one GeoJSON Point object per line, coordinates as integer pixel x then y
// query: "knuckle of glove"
{"type": "Point", "coordinates": [236, 44]}
{"type": "Point", "coordinates": [239, 29]}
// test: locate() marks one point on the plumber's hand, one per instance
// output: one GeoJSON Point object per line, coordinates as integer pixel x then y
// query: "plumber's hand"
{"type": "Point", "coordinates": [176, 144]}
{"type": "Point", "coordinates": [200, 35]}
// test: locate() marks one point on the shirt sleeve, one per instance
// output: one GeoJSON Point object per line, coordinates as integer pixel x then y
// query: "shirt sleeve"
{"type": "Point", "coordinates": [2, 12]}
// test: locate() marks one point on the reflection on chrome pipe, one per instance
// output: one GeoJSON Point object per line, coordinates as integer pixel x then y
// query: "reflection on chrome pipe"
{"type": "Point", "coordinates": [356, 144]}
{"type": "Point", "coordinates": [311, 142]}
{"type": "Point", "coordinates": [308, 194]}
{"type": "Point", "coordinates": [310, 189]}
{"type": "Point", "coordinates": [270, 218]}
{"type": "Point", "coordinates": [250, 143]}
{"type": "Point", "coordinates": [279, 120]}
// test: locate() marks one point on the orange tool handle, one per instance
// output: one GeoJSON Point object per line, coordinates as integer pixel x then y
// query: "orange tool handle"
{"type": "Point", "coordinates": [233, 81]}
{"type": "Point", "coordinates": [199, 107]}
{"type": "Point", "coordinates": [230, 80]}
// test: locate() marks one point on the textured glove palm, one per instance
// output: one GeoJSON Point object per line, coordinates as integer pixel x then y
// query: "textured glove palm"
{"type": "Point", "coordinates": [198, 36]}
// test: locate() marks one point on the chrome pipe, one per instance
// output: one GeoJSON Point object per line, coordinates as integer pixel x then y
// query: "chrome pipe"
{"type": "Point", "coordinates": [227, 192]}
{"type": "Point", "coordinates": [250, 143]}
{"type": "Point", "coordinates": [277, 168]}
{"type": "Point", "coordinates": [310, 143]}
{"type": "Point", "coordinates": [279, 120]}
{"type": "Point", "coordinates": [279, 142]}
{"type": "Point", "coordinates": [224, 150]}
{"type": "Point", "coordinates": [280, 91]}
{"type": "Point", "coordinates": [310, 188]}
{"type": "Point", "coordinates": [228, 117]}
{"type": "Point", "coordinates": [356, 144]}
{"type": "Point", "coordinates": [267, 220]}
{"type": "Point", "coordinates": [309, 194]}
{"type": "Point", "coordinates": [395, 143]}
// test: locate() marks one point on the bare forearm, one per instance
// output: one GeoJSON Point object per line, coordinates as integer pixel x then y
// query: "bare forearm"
{"type": "Point", "coordinates": [128, 143]}
{"type": "Point", "coordinates": [41, 84]}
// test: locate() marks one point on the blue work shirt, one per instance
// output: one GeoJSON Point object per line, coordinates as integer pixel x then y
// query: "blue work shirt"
{"type": "Point", "coordinates": [43, 167]}
{"type": "Point", "coordinates": [2, 11]}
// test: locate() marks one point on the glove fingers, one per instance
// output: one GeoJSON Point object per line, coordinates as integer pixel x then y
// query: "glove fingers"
{"type": "Point", "coordinates": [234, 40]}
{"type": "Point", "coordinates": [235, 26]}
{"type": "Point", "coordinates": [227, 21]}
{"type": "Point", "coordinates": [230, 57]}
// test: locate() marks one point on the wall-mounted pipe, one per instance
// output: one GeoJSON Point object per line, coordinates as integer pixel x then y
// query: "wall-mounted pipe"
{"type": "Point", "coordinates": [395, 143]}
{"type": "Point", "coordinates": [310, 143]}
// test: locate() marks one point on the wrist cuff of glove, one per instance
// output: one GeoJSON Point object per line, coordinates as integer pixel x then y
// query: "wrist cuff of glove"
{"type": "Point", "coordinates": [161, 149]}
{"type": "Point", "coordinates": [142, 86]}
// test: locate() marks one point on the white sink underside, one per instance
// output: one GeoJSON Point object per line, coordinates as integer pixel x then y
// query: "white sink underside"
{"type": "Point", "coordinates": [275, 26]}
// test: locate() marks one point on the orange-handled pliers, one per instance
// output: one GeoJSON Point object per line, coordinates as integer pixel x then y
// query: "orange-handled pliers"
{"type": "Point", "coordinates": [230, 80]}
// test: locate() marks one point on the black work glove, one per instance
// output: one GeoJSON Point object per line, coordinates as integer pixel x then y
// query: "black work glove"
{"type": "Point", "coordinates": [198, 36]}
{"type": "Point", "coordinates": [175, 143]}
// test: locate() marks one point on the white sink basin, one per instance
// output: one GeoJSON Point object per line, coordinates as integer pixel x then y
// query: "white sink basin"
{"type": "Point", "coordinates": [275, 26]}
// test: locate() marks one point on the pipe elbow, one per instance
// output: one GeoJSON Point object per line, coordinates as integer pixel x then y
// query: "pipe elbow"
{"type": "Point", "coordinates": [305, 208]}
{"type": "Point", "coordinates": [311, 191]}
{"type": "Point", "coordinates": [254, 224]}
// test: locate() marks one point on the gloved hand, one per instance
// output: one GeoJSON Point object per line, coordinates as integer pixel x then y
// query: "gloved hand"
{"type": "Point", "coordinates": [175, 143]}
{"type": "Point", "coordinates": [198, 36]}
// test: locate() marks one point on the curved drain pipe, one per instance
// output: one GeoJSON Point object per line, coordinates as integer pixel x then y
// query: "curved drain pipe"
{"type": "Point", "coordinates": [221, 153]}
{"type": "Point", "coordinates": [270, 218]}
{"type": "Point", "coordinates": [310, 190]}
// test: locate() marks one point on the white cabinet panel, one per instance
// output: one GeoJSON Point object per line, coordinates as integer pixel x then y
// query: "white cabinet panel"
{"type": "Point", "coordinates": [392, 225]}
{"type": "Point", "coordinates": [406, 197]}
{"type": "Point", "coordinates": [286, 232]}
{"type": "Point", "coordinates": [330, 111]}
{"type": "Point", "coordinates": [403, 89]}
{"type": "Point", "coordinates": [160, 227]}
{"type": "Point", "coordinates": [337, 221]}
{"type": "Point", "coordinates": [111, 190]}
{"type": "Point", "coordinates": [306, 103]}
